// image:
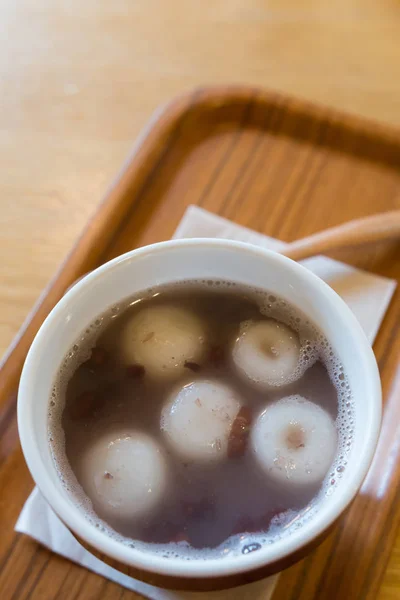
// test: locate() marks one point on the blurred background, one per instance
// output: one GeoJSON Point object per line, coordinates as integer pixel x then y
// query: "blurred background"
{"type": "Point", "coordinates": [80, 78]}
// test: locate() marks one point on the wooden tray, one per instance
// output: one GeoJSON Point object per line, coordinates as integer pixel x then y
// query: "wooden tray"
{"type": "Point", "coordinates": [284, 168]}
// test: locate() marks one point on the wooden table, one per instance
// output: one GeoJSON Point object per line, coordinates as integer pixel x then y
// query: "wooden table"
{"type": "Point", "coordinates": [79, 80]}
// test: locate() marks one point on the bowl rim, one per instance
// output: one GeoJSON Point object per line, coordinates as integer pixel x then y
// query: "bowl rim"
{"type": "Point", "coordinates": [209, 567]}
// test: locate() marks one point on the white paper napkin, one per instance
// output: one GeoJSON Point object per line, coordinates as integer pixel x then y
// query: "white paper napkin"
{"type": "Point", "coordinates": [367, 295]}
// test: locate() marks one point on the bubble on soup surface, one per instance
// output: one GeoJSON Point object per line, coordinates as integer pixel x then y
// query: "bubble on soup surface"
{"type": "Point", "coordinates": [197, 420]}
{"type": "Point", "coordinates": [251, 548]}
{"type": "Point", "coordinates": [162, 339]}
{"type": "Point", "coordinates": [124, 474]}
{"type": "Point", "coordinates": [267, 353]}
{"type": "Point", "coordinates": [294, 441]}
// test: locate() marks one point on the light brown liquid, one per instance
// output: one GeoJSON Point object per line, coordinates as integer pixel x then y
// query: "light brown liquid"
{"type": "Point", "coordinates": [208, 505]}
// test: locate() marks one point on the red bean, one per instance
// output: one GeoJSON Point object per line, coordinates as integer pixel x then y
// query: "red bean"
{"type": "Point", "coordinates": [136, 371]}
{"type": "Point", "coordinates": [239, 435]}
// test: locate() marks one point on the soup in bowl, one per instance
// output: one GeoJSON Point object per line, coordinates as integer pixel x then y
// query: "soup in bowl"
{"type": "Point", "coordinates": [200, 411]}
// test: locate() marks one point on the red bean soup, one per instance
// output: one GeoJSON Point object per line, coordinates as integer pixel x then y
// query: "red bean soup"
{"type": "Point", "coordinates": [200, 418]}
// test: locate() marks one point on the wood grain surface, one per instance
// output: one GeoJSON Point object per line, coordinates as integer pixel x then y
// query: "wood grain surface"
{"type": "Point", "coordinates": [284, 168]}
{"type": "Point", "coordinates": [79, 80]}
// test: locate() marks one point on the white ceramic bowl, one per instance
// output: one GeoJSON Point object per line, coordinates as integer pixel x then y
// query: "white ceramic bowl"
{"type": "Point", "coordinates": [176, 261]}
